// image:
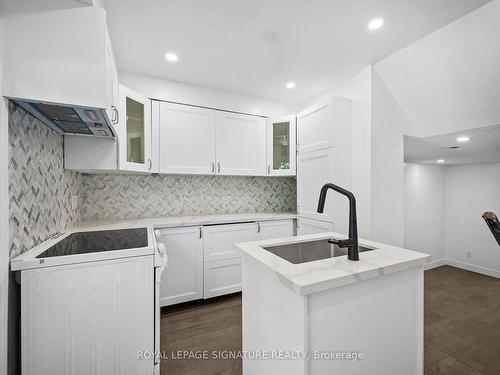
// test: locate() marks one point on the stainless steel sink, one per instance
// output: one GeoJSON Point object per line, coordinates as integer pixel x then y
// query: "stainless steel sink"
{"type": "Point", "coordinates": [303, 252]}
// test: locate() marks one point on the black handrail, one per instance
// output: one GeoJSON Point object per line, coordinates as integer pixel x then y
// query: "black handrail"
{"type": "Point", "coordinates": [494, 225]}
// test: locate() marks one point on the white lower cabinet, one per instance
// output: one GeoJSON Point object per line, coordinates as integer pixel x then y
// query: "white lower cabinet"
{"type": "Point", "coordinates": [219, 240]}
{"type": "Point", "coordinates": [202, 261]}
{"type": "Point", "coordinates": [183, 279]}
{"type": "Point", "coordinates": [222, 277]}
{"type": "Point", "coordinates": [310, 226]}
{"type": "Point", "coordinates": [274, 229]}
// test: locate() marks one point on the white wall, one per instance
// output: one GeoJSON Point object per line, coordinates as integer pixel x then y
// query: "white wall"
{"type": "Point", "coordinates": [424, 209]}
{"type": "Point", "coordinates": [4, 220]}
{"type": "Point", "coordinates": [450, 80]}
{"type": "Point", "coordinates": [442, 214]}
{"type": "Point", "coordinates": [157, 88]}
{"type": "Point", "coordinates": [389, 122]}
{"type": "Point", "coordinates": [470, 191]}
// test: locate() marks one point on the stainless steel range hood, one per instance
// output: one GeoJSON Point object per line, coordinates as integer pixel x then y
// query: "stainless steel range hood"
{"type": "Point", "coordinates": [70, 119]}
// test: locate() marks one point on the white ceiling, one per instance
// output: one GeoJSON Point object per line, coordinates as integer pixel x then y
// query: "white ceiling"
{"type": "Point", "coordinates": [483, 147]}
{"type": "Point", "coordinates": [450, 80]}
{"type": "Point", "coordinates": [256, 46]}
{"type": "Point", "coordinates": [24, 6]}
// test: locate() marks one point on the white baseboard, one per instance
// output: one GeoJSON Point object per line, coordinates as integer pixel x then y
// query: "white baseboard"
{"type": "Point", "coordinates": [436, 263]}
{"type": "Point", "coordinates": [473, 268]}
{"type": "Point", "coordinates": [462, 265]}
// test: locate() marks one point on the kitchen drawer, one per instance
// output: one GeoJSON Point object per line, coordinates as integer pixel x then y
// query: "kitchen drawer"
{"type": "Point", "coordinates": [267, 230]}
{"type": "Point", "coordinates": [219, 240]}
{"type": "Point", "coordinates": [222, 277]}
{"type": "Point", "coordinates": [309, 226]}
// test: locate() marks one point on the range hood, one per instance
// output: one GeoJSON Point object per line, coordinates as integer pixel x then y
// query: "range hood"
{"type": "Point", "coordinates": [70, 119]}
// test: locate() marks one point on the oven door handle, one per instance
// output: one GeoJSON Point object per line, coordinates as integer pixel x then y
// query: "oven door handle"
{"type": "Point", "coordinates": [162, 253]}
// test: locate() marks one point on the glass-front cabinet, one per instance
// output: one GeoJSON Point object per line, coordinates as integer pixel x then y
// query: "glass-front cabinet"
{"type": "Point", "coordinates": [281, 146]}
{"type": "Point", "coordinates": [134, 131]}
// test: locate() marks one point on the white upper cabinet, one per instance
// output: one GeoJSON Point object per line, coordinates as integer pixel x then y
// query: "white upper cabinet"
{"type": "Point", "coordinates": [240, 144]}
{"type": "Point", "coordinates": [281, 146]}
{"type": "Point", "coordinates": [315, 128]}
{"type": "Point", "coordinates": [112, 94]}
{"type": "Point", "coordinates": [134, 129]}
{"type": "Point", "coordinates": [187, 139]}
{"type": "Point", "coordinates": [57, 56]}
{"type": "Point", "coordinates": [327, 124]}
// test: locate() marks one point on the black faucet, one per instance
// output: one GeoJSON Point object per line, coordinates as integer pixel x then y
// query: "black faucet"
{"type": "Point", "coordinates": [352, 242]}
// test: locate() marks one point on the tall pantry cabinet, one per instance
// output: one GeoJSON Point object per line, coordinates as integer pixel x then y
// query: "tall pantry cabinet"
{"type": "Point", "coordinates": [324, 144]}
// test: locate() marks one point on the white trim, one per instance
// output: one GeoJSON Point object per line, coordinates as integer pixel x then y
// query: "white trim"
{"type": "Point", "coordinates": [4, 232]}
{"type": "Point", "coordinates": [435, 264]}
{"type": "Point", "coordinates": [473, 268]}
{"type": "Point", "coordinates": [464, 266]}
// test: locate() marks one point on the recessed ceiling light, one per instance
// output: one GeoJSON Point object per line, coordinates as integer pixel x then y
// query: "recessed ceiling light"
{"type": "Point", "coordinates": [172, 57]}
{"type": "Point", "coordinates": [290, 85]}
{"type": "Point", "coordinates": [376, 23]}
{"type": "Point", "coordinates": [440, 161]}
{"type": "Point", "coordinates": [463, 139]}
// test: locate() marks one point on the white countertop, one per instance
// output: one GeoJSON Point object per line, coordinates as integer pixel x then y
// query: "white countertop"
{"type": "Point", "coordinates": [28, 259]}
{"type": "Point", "coordinates": [180, 221]}
{"type": "Point", "coordinates": [316, 276]}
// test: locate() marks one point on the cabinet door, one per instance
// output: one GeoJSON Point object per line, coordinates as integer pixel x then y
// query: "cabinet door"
{"type": "Point", "coordinates": [314, 169]}
{"type": "Point", "coordinates": [281, 142]}
{"type": "Point", "coordinates": [111, 85]}
{"type": "Point", "coordinates": [134, 131]}
{"type": "Point", "coordinates": [183, 279]}
{"type": "Point", "coordinates": [315, 128]}
{"type": "Point", "coordinates": [95, 315]}
{"type": "Point", "coordinates": [240, 144]}
{"type": "Point", "coordinates": [309, 226]}
{"type": "Point", "coordinates": [274, 229]}
{"type": "Point", "coordinates": [219, 240]}
{"type": "Point", "coordinates": [187, 139]}
{"type": "Point", "coordinates": [222, 277]}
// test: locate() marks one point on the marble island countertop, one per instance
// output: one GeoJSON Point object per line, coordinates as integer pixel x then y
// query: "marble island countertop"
{"type": "Point", "coordinates": [320, 275]}
{"type": "Point", "coordinates": [180, 221]}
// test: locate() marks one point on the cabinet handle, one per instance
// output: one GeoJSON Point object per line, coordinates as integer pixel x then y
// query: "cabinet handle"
{"type": "Point", "coordinates": [115, 118]}
{"type": "Point", "coordinates": [218, 167]}
{"type": "Point", "coordinates": [213, 167]}
{"type": "Point", "coordinates": [269, 169]}
{"type": "Point", "coordinates": [150, 162]}
{"type": "Point", "coordinates": [258, 227]}
{"type": "Point", "coordinates": [200, 232]}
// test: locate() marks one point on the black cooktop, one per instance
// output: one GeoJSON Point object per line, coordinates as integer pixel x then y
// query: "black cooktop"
{"type": "Point", "coordinates": [93, 242]}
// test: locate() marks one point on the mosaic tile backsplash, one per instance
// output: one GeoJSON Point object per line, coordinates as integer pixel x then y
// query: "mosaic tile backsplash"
{"type": "Point", "coordinates": [137, 196]}
{"type": "Point", "coordinates": [40, 189]}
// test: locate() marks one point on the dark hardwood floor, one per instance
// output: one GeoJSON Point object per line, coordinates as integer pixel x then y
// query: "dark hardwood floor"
{"type": "Point", "coordinates": [462, 328]}
{"type": "Point", "coordinates": [462, 323]}
{"type": "Point", "coordinates": [213, 325]}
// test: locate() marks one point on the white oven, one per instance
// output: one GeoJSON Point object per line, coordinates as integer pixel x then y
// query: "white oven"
{"type": "Point", "coordinates": [89, 303]}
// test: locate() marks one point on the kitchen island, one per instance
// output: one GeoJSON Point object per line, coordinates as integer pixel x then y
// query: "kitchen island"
{"type": "Point", "coordinates": [307, 309]}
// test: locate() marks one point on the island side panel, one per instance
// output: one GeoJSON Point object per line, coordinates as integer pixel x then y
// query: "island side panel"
{"type": "Point", "coordinates": [273, 320]}
{"type": "Point", "coordinates": [380, 317]}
